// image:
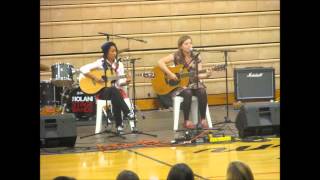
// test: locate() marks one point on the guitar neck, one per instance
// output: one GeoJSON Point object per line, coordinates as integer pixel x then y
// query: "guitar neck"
{"type": "Point", "coordinates": [111, 78]}
{"type": "Point", "coordinates": [187, 74]}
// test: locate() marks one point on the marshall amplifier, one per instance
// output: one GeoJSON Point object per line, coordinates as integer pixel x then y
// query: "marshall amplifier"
{"type": "Point", "coordinates": [254, 83]}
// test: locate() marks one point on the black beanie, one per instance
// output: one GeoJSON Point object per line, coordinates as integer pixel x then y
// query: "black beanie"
{"type": "Point", "coordinates": [106, 46]}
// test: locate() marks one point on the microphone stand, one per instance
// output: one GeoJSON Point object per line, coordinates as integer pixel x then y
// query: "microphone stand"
{"type": "Point", "coordinates": [128, 38]}
{"type": "Point", "coordinates": [194, 58]}
{"type": "Point", "coordinates": [225, 52]}
{"type": "Point", "coordinates": [135, 131]}
{"type": "Point", "coordinates": [226, 118]}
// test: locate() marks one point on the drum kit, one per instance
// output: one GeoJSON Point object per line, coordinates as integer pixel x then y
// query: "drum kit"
{"type": "Point", "coordinates": [62, 93]}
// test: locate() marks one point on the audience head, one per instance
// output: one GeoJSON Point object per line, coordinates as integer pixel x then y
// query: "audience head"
{"type": "Point", "coordinates": [180, 171]}
{"type": "Point", "coordinates": [237, 170]}
{"type": "Point", "coordinates": [64, 178]}
{"type": "Point", "coordinates": [127, 175]}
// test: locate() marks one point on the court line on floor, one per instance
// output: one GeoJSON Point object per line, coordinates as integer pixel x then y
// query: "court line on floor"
{"type": "Point", "coordinates": [161, 162]}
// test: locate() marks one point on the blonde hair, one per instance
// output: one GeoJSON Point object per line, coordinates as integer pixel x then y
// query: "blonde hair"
{"type": "Point", "coordinates": [182, 39]}
{"type": "Point", "coordinates": [238, 170]}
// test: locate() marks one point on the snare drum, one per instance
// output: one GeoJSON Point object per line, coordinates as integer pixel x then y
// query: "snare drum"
{"type": "Point", "coordinates": [62, 74]}
{"type": "Point", "coordinates": [50, 95]}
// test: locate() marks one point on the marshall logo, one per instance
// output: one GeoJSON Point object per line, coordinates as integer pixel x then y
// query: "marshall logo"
{"type": "Point", "coordinates": [254, 75]}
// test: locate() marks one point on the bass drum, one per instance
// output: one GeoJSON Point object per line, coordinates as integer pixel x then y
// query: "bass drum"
{"type": "Point", "coordinates": [82, 105]}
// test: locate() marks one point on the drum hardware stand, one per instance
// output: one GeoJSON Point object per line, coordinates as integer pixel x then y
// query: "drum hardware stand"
{"type": "Point", "coordinates": [64, 94]}
{"type": "Point", "coordinates": [132, 61]}
{"type": "Point", "coordinates": [64, 104]}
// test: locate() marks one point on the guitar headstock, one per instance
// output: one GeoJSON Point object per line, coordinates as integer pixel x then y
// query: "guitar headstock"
{"type": "Point", "coordinates": [146, 74]}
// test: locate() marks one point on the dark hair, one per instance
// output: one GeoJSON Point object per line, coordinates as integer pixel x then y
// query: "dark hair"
{"type": "Point", "coordinates": [238, 170]}
{"type": "Point", "coordinates": [127, 175]}
{"type": "Point", "coordinates": [182, 39]}
{"type": "Point", "coordinates": [106, 46]}
{"type": "Point", "coordinates": [64, 178]}
{"type": "Point", "coordinates": [180, 171]}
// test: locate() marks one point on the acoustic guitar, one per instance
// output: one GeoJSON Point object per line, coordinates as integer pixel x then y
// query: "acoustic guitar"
{"type": "Point", "coordinates": [163, 85]}
{"type": "Point", "coordinates": [90, 86]}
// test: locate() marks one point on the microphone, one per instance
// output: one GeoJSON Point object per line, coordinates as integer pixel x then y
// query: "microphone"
{"type": "Point", "coordinates": [192, 49]}
{"type": "Point", "coordinates": [194, 52]}
{"type": "Point", "coordinates": [105, 35]}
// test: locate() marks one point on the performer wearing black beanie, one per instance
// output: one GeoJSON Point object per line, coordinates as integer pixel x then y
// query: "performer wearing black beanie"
{"type": "Point", "coordinates": [114, 93]}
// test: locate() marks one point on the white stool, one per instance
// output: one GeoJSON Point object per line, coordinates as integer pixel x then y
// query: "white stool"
{"type": "Point", "coordinates": [99, 110]}
{"type": "Point", "coordinates": [177, 100]}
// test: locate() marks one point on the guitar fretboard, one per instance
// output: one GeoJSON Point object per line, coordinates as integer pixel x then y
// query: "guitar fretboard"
{"type": "Point", "coordinates": [111, 78]}
{"type": "Point", "coordinates": [186, 74]}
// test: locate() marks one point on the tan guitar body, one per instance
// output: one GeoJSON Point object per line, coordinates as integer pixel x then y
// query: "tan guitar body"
{"type": "Point", "coordinates": [90, 86]}
{"type": "Point", "coordinates": [162, 85]}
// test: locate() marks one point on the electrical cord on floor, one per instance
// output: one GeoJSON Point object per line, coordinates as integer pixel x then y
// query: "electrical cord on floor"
{"type": "Point", "coordinates": [141, 143]}
{"type": "Point", "coordinates": [232, 131]}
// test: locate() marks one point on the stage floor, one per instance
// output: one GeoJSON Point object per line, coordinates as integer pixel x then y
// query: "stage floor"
{"type": "Point", "coordinates": [208, 161]}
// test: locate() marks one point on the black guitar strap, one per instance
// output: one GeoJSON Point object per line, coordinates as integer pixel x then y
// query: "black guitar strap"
{"type": "Point", "coordinates": [109, 66]}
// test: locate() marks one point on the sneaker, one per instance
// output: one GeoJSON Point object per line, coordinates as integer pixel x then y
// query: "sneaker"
{"type": "Point", "coordinates": [120, 130]}
{"type": "Point", "coordinates": [129, 116]}
{"type": "Point", "coordinates": [134, 129]}
{"type": "Point", "coordinates": [188, 125]}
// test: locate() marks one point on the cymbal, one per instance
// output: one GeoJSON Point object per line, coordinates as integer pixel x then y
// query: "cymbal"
{"type": "Point", "coordinates": [44, 67]}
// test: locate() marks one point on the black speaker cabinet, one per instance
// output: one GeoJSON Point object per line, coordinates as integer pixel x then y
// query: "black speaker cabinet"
{"type": "Point", "coordinates": [58, 130]}
{"type": "Point", "coordinates": [254, 83]}
{"type": "Point", "coordinates": [258, 119]}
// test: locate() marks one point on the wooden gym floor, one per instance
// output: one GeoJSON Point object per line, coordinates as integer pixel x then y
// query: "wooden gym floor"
{"type": "Point", "coordinates": [87, 161]}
